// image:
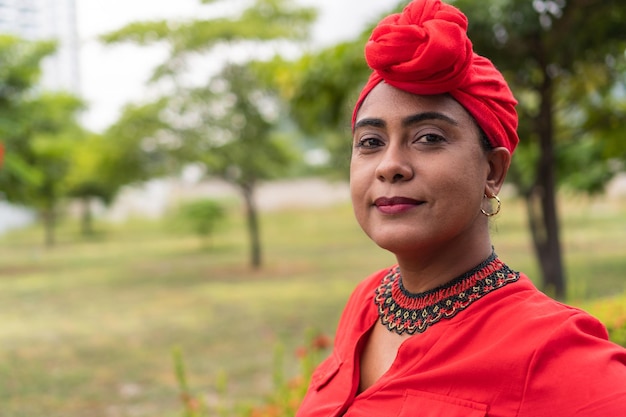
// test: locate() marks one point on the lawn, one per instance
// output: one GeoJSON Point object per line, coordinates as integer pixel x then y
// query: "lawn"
{"type": "Point", "coordinates": [88, 327]}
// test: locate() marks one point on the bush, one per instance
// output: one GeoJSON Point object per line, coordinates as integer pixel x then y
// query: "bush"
{"type": "Point", "coordinates": [617, 331]}
{"type": "Point", "coordinates": [201, 216]}
{"type": "Point", "coordinates": [612, 312]}
{"type": "Point", "coordinates": [288, 393]}
{"type": "Point", "coordinates": [286, 396]}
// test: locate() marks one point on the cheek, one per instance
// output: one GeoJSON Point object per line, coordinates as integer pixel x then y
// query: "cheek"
{"type": "Point", "coordinates": [360, 178]}
{"type": "Point", "coordinates": [360, 181]}
{"type": "Point", "coordinates": [461, 179]}
{"type": "Point", "coordinates": [468, 185]}
{"type": "Point", "coordinates": [357, 194]}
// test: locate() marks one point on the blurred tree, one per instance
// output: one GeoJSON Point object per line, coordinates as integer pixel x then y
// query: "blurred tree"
{"type": "Point", "coordinates": [565, 63]}
{"type": "Point", "coordinates": [135, 149]}
{"type": "Point", "coordinates": [19, 72]}
{"type": "Point", "coordinates": [139, 144]}
{"type": "Point", "coordinates": [237, 138]}
{"type": "Point", "coordinates": [38, 129]}
{"type": "Point", "coordinates": [86, 179]}
{"type": "Point", "coordinates": [54, 133]}
{"type": "Point", "coordinates": [224, 121]}
{"type": "Point", "coordinates": [260, 25]}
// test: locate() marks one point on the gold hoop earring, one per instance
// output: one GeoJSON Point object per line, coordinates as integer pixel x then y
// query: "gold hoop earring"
{"type": "Point", "coordinates": [497, 208]}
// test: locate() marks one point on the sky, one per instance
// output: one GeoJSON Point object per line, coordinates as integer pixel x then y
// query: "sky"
{"type": "Point", "coordinates": [113, 75]}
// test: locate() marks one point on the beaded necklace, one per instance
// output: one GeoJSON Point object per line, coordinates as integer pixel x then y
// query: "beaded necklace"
{"type": "Point", "coordinates": [401, 311]}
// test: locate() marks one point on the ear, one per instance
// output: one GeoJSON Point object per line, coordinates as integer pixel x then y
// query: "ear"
{"type": "Point", "coordinates": [499, 160]}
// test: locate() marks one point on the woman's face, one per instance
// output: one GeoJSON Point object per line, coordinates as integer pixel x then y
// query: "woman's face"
{"type": "Point", "coordinates": [418, 172]}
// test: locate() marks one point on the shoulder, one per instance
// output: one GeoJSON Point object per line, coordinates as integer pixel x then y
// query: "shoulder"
{"type": "Point", "coordinates": [578, 364]}
{"type": "Point", "coordinates": [570, 358]}
{"type": "Point", "coordinates": [530, 313]}
{"type": "Point", "coordinates": [537, 308]}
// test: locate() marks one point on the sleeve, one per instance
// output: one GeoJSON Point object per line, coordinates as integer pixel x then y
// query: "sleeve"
{"type": "Point", "coordinates": [576, 372]}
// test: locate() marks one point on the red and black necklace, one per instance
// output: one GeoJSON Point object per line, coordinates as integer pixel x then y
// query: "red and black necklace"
{"type": "Point", "coordinates": [401, 311]}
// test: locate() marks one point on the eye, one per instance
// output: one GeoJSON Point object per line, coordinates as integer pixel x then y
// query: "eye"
{"type": "Point", "coordinates": [369, 143]}
{"type": "Point", "coordinates": [430, 138]}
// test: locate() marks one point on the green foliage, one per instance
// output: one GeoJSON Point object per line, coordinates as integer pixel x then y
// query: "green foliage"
{"type": "Point", "coordinates": [321, 91]}
{"type": "Point", "coordinates": [18, 74]}
{"type": "Point", "coordinates": [39, 156]}
{"type": "Point", "coordinates": [222, 123]}
{"type": "Point", "coordinates": [38, 149]}
{"type": "Point", "coordinates": [617, 332]}
{"type": "Point", "coordinates": [326, 86]}
{"type": "Point", "coordinates": [228, 123]}
{"type": "Point", "coordinates": [563, 60]}
{"type": "Point", "coordinates": [39, 130]}
{"type": "Point", "coordinates": [612, 312]}
{"type": "Point", "coordinates": [89, 175]}
{"type": "Point", "coordinates": [287, 393]}
{"type": "Point", "coordinates": [20, 69]}
{"type": "Point", "coordinates": [584, 167]}
{"type": "Point", "coordinates": [568, 52]}
{"type": "Point", "coordinates": [192, 406]}
{"type": "Point", "coordinates": [243, 144]}
{"type": "Point", "coordinates": [139, 146]}
{"type": "Point", "coordinates": [263, 21]}
{"type": "Point", "coordinates": [201, 216]}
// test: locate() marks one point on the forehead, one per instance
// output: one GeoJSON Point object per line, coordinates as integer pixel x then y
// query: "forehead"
{"type": "Point", "coordinates": [388, 103]}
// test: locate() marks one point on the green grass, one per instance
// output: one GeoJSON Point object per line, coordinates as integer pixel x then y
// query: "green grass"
{"type": "Point", "coordinates": [88, 327]}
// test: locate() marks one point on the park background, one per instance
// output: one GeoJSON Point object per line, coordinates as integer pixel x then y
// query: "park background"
{"type": "Point", "coordinates": [204, 225]}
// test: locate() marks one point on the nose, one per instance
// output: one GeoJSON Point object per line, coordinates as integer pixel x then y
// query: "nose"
{"type": "Point", "coordinates": [394, 165]}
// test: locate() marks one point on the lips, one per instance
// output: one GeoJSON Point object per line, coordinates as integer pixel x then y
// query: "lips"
{"type": "Point", "coordinates": [395, 205]}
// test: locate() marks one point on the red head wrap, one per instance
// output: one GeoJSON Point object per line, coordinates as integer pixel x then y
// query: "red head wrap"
{"type": "Point", "coordinates": [425, 50]}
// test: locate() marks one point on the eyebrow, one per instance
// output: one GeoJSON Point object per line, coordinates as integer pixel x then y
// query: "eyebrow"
{"type": "Point", "coordinates": [407, 121]}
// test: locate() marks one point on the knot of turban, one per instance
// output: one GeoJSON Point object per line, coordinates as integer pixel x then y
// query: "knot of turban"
{"type": "Point", "coordinates": [425, 50]}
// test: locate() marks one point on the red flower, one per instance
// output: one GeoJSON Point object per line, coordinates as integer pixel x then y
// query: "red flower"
{"type": "Point", "coordinates": [301, 352]}
{"type": "Point", "coordinates": [321, 342]}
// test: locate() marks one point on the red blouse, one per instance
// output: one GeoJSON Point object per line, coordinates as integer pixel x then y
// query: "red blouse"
{"type": "Point", "coordinates": [512, 352]}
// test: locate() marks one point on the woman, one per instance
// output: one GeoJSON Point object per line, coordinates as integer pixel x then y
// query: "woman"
{"type": "Point", "coordinates": [450, 330]}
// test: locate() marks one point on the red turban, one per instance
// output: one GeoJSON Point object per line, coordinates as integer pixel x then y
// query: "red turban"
{"type": "Point", "coordinates": [425, 50]}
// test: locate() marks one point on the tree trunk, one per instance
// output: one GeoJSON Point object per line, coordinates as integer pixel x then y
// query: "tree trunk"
{"type": "Point", "coordinates": [541, 201]}
{"type": "Point", "coordinates": [86, 217]}
{"type": "Point", "coordinates": [253, 225]}
{"type": "Point", "coordinates": [49, 224]}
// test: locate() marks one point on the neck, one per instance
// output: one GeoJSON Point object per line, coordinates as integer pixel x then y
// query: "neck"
{"type": "Point", "coordinates": [429, 271]}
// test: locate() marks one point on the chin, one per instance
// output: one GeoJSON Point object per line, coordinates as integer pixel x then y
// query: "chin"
{"type": "Point", "coordinates": [396, 244]}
